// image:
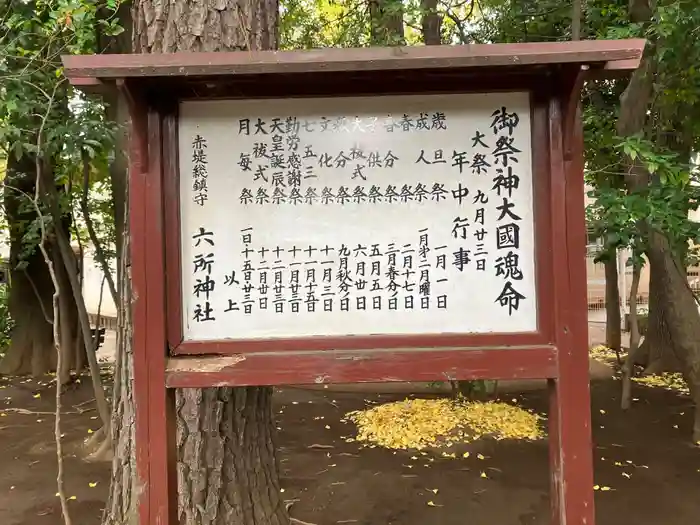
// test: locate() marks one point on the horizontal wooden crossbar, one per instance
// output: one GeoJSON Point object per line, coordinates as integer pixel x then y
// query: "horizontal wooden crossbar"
{"type": "Point", "coordinates": [366, 366]}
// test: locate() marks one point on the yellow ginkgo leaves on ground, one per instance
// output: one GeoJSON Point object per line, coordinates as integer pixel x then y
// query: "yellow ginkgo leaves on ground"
{"type": "Point", "coordinates": [668, 380]}
{"type": "Point", "coordinates": [604, 354]}
{"type": "Point", "coordinates": [421, 423]}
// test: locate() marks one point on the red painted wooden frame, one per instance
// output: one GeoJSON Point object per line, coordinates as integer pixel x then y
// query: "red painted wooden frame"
{"type": "Point", "coordinates": [552, 72]}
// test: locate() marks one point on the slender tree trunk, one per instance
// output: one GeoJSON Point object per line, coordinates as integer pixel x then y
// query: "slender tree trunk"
{"type": "Point", "coordinates": [613, 319]}
{"type": "Point", "coordinates": [628, 367]}
{"type": "Point", "coordinates": [576, 19]}
{"type": "Point", "coordinates": [70, 342]}
{"type": "Point", "coordinates": [227, 468]}
{"type": "Point", "coordinates": [116, 111]}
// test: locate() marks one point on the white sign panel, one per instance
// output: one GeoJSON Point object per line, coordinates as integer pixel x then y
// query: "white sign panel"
{"type": "Point", "coordinates": [357, 216]}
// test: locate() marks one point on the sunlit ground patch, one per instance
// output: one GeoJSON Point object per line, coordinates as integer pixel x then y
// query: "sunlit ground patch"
{"type": "Point", "coordinates": [422, 423]}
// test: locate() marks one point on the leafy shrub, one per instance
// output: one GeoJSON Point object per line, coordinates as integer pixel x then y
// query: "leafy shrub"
{"type": "Point", "coordinates": [6, 323]}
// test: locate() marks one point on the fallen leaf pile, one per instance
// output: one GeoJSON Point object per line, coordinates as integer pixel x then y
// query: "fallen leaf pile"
{"type": "Point", "coordinates": [668, 380]}
{"type": "Point", "coordinates": [604, 354]}
{"type": "Point", "coordinates": [420, 423]}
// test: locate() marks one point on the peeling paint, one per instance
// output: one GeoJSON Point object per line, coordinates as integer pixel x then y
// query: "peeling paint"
{"type": "Point", "coordinates": [204, 364]}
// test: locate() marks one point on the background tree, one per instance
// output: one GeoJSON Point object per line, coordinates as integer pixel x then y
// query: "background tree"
{"type": "Point", "coordinates": [659, 104]}
{"type": "Point", "coordinates": [47, 131]}
{"type": "Point", "coordinates": [28, 95]}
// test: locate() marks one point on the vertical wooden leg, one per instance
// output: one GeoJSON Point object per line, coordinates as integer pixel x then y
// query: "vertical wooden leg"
{"type": "Point", "coordinates": [570, 452]}
{"type": "Point", "coordinates": [163, 459]}
{"type": "Point", "coordinates": [154, 404]}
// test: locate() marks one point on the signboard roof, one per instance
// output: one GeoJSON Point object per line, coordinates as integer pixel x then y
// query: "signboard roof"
{"type": "Point", "coordinates": [602, 56]}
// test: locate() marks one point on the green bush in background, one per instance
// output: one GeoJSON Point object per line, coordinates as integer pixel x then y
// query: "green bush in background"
{"type": "Point", "coordinates": [6, 323]}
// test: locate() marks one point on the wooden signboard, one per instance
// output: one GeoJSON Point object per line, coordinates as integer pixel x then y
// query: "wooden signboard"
{"type": "Point", "coordinates": [363, 215]}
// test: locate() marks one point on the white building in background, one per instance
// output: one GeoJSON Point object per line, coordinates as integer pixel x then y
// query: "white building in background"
{"type": "Point", "coordinates": [92, 280]}
{"type": "Point", "coordinates": [92, 272]}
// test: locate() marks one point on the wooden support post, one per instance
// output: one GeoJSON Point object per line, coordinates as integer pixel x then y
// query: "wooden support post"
{"type": "Point", "coordinates": [155, 432]}
{"type": "Point", "coordinates": [570, 417]}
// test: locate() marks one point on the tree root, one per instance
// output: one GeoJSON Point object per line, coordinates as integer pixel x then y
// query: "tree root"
{"type": "Point", "coordinates": [288, 505]}
{"type": "Point", "coordinates": [98, 447]}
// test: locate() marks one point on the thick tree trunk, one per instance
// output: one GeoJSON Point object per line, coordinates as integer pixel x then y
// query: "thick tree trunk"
{"type": "Point", "coordinates": [656, 352]}
{"type": "Point", "coordinates": [681, 313]}
{"type": "Point", "coordinates": [613, 319]}
{"type": "Point", "coordinates": [32, 349]}
{"type": "Point", "coordinates": [121, 507]}
{"type": "Point", "coordinates": [227, 471]}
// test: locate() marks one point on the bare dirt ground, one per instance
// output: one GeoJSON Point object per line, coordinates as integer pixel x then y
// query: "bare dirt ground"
{"type": "Point", "coordinates": [643, 456]}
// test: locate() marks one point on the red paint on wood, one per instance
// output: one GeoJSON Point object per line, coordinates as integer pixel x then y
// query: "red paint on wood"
{"type": "Point", "coordinates": [573, 366]}
{"type": "Point", "coordinates": [138, 166]}
{"type": "Point", "coordinates": [570, 433]}
{"type": "Point", "coordinates": [359, 59]}
{"type": "Point", "coordinates": [160, 408]}
{"type": "Point", "coordinates": [557, 351]}
{"type": "Point", "coordinates": [361, 367]}
{"type": "Point", "coordinates": [377, 343]}
{"type": "Point", "coordinates": [154, 409]}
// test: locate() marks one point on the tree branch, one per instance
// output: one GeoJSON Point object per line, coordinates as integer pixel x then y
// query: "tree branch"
{"type": "Point", "coordinates": [51, 200]}
{"type": "Point", "coordinates": [99, 250]}
{"type": "Point", "coordinates": [49, 263]}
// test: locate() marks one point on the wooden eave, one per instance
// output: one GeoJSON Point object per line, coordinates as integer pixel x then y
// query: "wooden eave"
{"type": "Point", "coordinates": [600, 58]}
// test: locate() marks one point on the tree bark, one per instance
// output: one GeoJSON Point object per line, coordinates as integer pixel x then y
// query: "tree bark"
{"type": "Point", "coordinates": [628, 367]}
{"type": "Point", "coordinates": [431, 23]}
{"type": "Point", "coordinates": [386, 23]}
{"type": "Point", "coordinates": [576, 16]}
{"type": "Point", "coordinates": [613, 319]}
{"type": "Point", "coordinates": [32, 349]}
{"type": "Point", "coordinates": [681, 313]}
{"type": "Point", "coordinates": [227, 469]}
{"type": "Point", "coordinates": [677, 308]}
{"type": "Point", "coordinates": [656, 351]}
{"type": "Point", "coordinates": [121, 507]}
